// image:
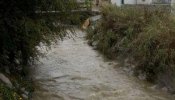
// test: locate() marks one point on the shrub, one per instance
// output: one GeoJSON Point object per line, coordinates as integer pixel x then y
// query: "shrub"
{"type": "Point", "coordinates": [9, 94]}
{"type": "Point", "coordinates": [146, 34]}
{"type": "Point", "coordinates": [23, 26]}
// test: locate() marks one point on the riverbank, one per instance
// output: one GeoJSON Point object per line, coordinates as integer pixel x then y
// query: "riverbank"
{"type": "Point", "coordinates": [15, 87]}
{"type": "Point", "coordinates": [143, 36]}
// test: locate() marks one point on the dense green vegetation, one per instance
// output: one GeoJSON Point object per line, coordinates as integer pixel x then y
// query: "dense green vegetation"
{"type": "Point", "coordinates": [24, 25]}
{"type": "Point", "coordinates": [145, 34]}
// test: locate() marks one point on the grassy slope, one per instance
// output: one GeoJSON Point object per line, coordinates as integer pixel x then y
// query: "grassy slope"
{"type": "Point", "coordinates": [146, 34]}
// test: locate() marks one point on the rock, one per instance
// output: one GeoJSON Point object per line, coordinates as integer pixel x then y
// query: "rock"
{"type": "Point", "coordinates": [4, 79]}
{"type": "Point", "coordinates": [93, 27]}
{"type": "Point", "coordinates": [95, 18]}
{"type": "Point", "coordinates": [17, 61]}
{"type": "Point", "coordinates": [126, 69]}
{"type": "Point", "coordinates": [154, 87]}
{"type": "Point", "coordinates": [22, 89]}
{"type": "Point", "coordinates": [133, 66]}
{"type": "Point", "coordinates": [126, 61]}
{"type": "Point", "coordinates": [131, 73]}
{"type": "Point", "coordinates": [25, 96]}
{"type": "Point", "coordinates": [94, 43]}
{"type": "Point", "coordinates": [86, 24]}
{"type": "Point", "coordinates": [165, 89]}
{"type": "Point", "coordinates": [26, 93]}
{"type": "Point", "coordinates": [142, 76]}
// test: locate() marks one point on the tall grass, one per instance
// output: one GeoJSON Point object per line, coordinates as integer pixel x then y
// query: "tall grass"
{"type": "Point", "coordinates": [146, 34]}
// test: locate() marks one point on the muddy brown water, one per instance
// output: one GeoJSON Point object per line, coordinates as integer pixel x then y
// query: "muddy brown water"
{"type": "Point", "coordinates": [72, 70]}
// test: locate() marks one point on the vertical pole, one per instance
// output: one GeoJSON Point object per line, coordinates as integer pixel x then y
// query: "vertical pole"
{"type": "Point", "coordinates": [172, 6]}
{"type": "Point", "coordinates": [123, 2]}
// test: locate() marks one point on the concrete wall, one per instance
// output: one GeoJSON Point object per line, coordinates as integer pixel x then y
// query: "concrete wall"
{"type": "Point", "coordinates": [129, 1]}
{"type": "Point", "coordinates": [173, 6]}
{"type": "Point", "coordinates": [117, 2]}
{"type": "Point", "coordinates": [144, 1]}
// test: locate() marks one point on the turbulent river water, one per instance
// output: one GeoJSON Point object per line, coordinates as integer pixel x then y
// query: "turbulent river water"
{"type": "Point", "coordinates": [72, 70]}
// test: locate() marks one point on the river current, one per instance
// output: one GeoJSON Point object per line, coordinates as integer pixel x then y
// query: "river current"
{"type": "Point", "coordinates": [72, 70]}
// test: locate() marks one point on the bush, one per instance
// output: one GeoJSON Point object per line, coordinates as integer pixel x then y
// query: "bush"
{"type": "Point", "coordinates": [146, 34]}
{"type": "Point", "coordinates": [9, 94]}
{"type": "Point", "coordinates": [23, 26]}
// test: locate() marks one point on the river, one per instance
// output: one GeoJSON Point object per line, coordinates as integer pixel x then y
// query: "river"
{"type": "Point", "coordinates": [72, 70]}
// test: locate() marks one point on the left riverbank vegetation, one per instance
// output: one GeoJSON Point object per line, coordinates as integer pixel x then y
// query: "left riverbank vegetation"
{"type": "Point", "coordinates": [24, 25]}
{"type": "Point", "coordinates": [143, 34]}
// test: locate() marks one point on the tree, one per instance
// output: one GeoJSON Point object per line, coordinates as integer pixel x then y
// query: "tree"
{"type": "Point", "coordinates": [24, 24]}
